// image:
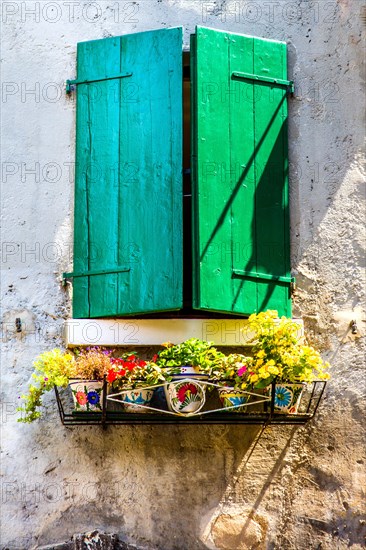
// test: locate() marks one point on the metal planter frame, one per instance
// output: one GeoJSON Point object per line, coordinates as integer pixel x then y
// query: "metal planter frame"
{"type": "Point", "coordinates": [152, 415]}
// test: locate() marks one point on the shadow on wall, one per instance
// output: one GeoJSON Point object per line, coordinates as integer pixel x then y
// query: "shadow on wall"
{"type": "Point", "coordinates": [137, 481]}
{"type": "Point", "coordinates": [149, 486]}
{"type": "Point", "coordinates": [145, 483]}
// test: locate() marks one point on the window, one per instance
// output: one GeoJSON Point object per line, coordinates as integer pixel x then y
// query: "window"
{"type": "Point", "coordinates": [129, 227]}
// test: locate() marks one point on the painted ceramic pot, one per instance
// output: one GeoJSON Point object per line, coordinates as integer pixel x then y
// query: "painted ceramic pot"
{"type": "Point", "coordinates": [134, 400]}
{"type": "Point", "coordinates": [230, 397]}
{"type": "Point", "coordinates": [185, 396]}
{"type": "Point", "coordinates": [287, 397]}
{"type": "Point", "coordinates": [87, 394]}
{"type": "Point", "coordinates": [188, 371]}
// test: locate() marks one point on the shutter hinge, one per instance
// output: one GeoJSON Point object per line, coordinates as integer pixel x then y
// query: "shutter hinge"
{"type": "Point", "coordinates": [72, 275]}
{"type": "Point", "coordinates": [70, 84]}
{"type": "Point", "coordinates": [279, 82]}
{"type": "Point", "coordinates": [264, 276]}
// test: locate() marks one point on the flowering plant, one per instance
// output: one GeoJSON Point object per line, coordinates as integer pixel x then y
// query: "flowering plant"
{"type": "Point", "coordinates": [233, 370]}
{"type": "Point", "coordinates": [280, 353]}
{"type": "Point", "coordinates": [51, 368]}
{"type": "Point", "coordinates": [193, 352]}
{"type": "Point", "coordinates": [129, 371]}
{"type": "Point", "coordinates": [56, 368]}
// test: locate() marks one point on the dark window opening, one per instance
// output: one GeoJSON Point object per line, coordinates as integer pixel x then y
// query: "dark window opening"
{"type": "Point", "coordinates": [187, 190]}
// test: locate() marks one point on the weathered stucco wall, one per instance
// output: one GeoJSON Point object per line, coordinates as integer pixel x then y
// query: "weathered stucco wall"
{"type": "Point", "coordinates": [193, 487]}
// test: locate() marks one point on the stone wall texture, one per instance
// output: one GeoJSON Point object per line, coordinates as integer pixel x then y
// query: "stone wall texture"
{"type": "Point", "coordinates": [185, 487]}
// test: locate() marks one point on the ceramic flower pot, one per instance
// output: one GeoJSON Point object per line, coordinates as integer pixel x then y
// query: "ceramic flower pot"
{"type": "Point", "coordinates": [135, 399]}
{"type": "Point", "coordinates": [185, 396]}
{"type": "Point", "coordinates": [287, 397]}
{"type": "Point", "coordinates": [87, 394]}
{"type": "Point", "coordinates": [188, 371]}
{"type": "Point", "coordinates": [230, 397]}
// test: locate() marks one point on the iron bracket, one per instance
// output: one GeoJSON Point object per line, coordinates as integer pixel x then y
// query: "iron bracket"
{"type": "Point", "coordinates": [72, 274]}
{"type": "Point", "coordinates": [263, 276]}
{"type": "Point", "coordinates": [278, 82]}
{"type": "Point", "coordinates": [71, 83]}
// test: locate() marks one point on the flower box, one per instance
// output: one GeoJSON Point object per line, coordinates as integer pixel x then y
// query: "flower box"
{"type": "Point", "coordinates": [190, 374]}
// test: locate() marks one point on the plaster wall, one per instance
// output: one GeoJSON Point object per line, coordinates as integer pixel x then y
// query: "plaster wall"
{"type": "Point", "coordinates": [193, 487]}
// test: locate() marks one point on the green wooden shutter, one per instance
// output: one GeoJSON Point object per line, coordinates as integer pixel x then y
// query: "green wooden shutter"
{"type": "Point", "coordinates": [240, 173]}
{"type": "Point", "coordinates": [128, 188]}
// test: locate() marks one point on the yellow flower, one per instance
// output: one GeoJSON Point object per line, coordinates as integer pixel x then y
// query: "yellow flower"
{"type": "Point", "coordinates": [263, 373]}
{"type": "Point", "coordinates": [254, 378]}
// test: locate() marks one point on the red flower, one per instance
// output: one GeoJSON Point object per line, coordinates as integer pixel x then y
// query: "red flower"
{"type": "Point", "coordinates": [111, 376]}
{"type": "Point", "coordinates": [154, 359]}
{"type": "Point", "coordinates": [183, 390]}
{"type": "Point", "coordinates": [131, 358]}
{"type": "Point", "coordinates": [122, 372]}
{"type": "Point", "coordinates": [142, 363]}
{"type": "Point", "coordinates": [129, 365]}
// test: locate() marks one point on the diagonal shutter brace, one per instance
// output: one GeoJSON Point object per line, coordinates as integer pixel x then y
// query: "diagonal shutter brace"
{"type": "Point", "coordinates": [71, 83]}
{"type": "Point", "coordinates": [277, 82]}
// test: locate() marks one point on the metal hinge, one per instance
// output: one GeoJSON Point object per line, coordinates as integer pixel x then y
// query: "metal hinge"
{"type": "Point", "coordinates": [264, 276]}
{"type": "Point", "coordinates": [72, 83]}
{"type": "Point", "coordinates": [289, 84]}
{"type": "Point", "coordinates": [73, 274]}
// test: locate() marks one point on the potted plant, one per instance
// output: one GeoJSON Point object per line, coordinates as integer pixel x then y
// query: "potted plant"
{"type": "Point", "coordinates": [232, 375]}
{"type": "Point", "coordinates": [82, 370]}
{"type": "Point", "coordinates": [190, 365]}
{"type": "Point", "coordinates": [280, 354]}
{"type": "Point", "coordinates": [192, 358]}
{"type": "Point", "coordinates": [90, 367]}
{"type": "Point", "coordinates": [133, 379]}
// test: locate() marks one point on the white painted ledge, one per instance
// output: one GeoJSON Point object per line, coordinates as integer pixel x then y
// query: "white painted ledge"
{"type": "Point", "coordinates": [149, 332]}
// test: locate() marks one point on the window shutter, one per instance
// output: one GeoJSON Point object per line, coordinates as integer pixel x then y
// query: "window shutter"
{"type": "Point", "coordinates": [128, 188]}
{"type": "Point", "coordinates": [240, 173]}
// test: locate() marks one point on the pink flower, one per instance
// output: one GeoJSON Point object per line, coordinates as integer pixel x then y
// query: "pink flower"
{"type": "Point", "coordinates": [81, 398]}
{"type": "Point", "coordinates": [242, 370]}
